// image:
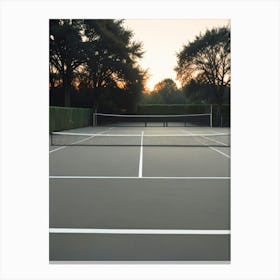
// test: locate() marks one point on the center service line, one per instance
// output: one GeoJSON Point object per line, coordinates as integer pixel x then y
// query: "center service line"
{"type": "Point", "coordinates": [141, 156]}
{"type": "Point", "coordinates": [139, 231]}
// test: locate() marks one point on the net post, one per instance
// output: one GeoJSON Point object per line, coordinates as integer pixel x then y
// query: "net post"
{"type": "Point", "coordinates": [211, 115]}
{"type": "Point", "coordinates": [94, 120]}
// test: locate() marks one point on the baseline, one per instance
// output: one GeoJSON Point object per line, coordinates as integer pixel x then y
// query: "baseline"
{"type": "Point", "coordinates": [139, 231]}
{"type": "Point", "coordinates": [137, 177]}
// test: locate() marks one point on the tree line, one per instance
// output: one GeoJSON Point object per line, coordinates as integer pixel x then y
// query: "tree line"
{"type": "Point", "coordinates": [95, 63]}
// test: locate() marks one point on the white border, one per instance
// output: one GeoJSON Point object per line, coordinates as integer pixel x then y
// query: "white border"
{"type": "Point", "coordinates": [24, 139]}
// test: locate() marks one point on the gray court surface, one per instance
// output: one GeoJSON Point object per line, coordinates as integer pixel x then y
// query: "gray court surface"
{"type": "Point", "coordinates": [140, 203]}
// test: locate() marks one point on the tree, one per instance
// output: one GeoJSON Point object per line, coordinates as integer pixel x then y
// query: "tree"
{"type": "Point", "coordinates": [66, 53]}
{"type": "Point", "coordinates": [167, 89]}
{"type": "Point", "coordinates": [204, 65]}
{"type": "Point", "coordinates": [165, 92]}
{"type": "Point", "coordinates": [112, 58]}
{"type": "Point", "coordinates": [100, 58]}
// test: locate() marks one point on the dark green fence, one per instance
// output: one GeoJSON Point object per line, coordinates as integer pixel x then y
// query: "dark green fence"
{"type": "Point", "coordinates": [221, 116]}
{"type": "Point", "coordinates": [66, 118]}
{"type": "Point", "coordinates": [221, 119]}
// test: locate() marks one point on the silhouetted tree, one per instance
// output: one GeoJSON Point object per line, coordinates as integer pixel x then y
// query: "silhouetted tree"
{"type": "Point", "coordinates": [203, 66]}
{"type": "Point", "coordinates": [98, 56]}
{"type": "Point", "coordinates": [202, 93]}
{"type": "Point", "coordinates": [165, 92]}
{"type": "Point", "coordinates": [112, 58]}
{"type": "Point", "coordinates": [66, 53]}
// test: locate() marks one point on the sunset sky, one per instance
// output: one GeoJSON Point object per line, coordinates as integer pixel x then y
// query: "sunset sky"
{"type": "Point", "coordinates": [163, 38]}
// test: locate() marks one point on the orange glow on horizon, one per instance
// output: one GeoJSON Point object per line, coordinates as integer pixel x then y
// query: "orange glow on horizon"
{"type": "Point", "coordinates": [162, 39]}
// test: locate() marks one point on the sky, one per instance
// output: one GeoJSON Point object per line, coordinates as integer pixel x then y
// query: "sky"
{"type": "Point", "coordinates": [163, 38]}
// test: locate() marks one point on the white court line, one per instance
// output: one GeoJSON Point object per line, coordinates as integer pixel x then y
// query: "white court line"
{"type": "Point", "coordinates": [186, 135]}
{"type": "Point", "coordinates": [141, 157]}
{"type": "Point", "coordinates": [62, 133]}
{"type": "Point", "coordinates": [129, 135]}
{"type": "Point", "coordinates": [212, 148]}
{"type": "Point", "coordinates": [94, 134]}
{"type": "Point", "coordinates": [54, 150]}
{"type": "Point", "coordinates": [215, 131]}
{"type": "Point", "coordinates": [218, 151]}
{"type": "Point", "coordinates": [154, 116]}
{"type": "Point", "coordinates": [219, 142]}
{"type": "Point", "coordinates": [139, 231]}
{"type": "Point", "coordinates": [135, 177]}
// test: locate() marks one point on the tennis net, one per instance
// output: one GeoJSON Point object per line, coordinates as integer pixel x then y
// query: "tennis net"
{"type": "Point", "coordinates": [184, 140]}
{"type": "Point", "coordinates": [100, 119]}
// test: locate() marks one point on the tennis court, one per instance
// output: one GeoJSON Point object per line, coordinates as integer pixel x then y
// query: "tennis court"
{"type": "Point", "coordinates": [153, 191]}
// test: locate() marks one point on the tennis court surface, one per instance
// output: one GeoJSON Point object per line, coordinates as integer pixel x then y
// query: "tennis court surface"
{"type": "Point", "coordinates": [140, 193]}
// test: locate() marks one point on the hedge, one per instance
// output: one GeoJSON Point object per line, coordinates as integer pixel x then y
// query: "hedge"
{"type": "Point", "coordinates": [62, 118]}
